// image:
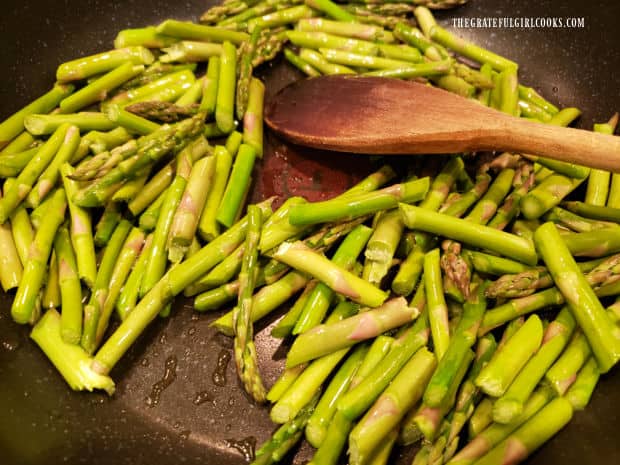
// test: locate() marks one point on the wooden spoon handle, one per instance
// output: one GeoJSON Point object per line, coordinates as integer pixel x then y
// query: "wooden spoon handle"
{"type": "Point", "coordinates": [565, 144]}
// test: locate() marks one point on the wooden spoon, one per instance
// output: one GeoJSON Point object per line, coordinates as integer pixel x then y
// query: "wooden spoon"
{"type": "Point", "coordinates": [388, 116]}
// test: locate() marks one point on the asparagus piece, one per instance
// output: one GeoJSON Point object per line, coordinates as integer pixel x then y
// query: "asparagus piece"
{"type": "Point", "coordinates": [382, 245]}
{"type": "Point", "coordinates": [316, 429]}
{"type": "Point", "coordinates": [278, 229]}
{"type": "Point", "coordinates": [361, 396]}
{"type": "Point", "coordinates": [253, 117]}
{"type": "Point", "coordinates": [301, 257]}
{"type": "Point", "coordinates": [467, 49]}
{"type": "Point", "coordinates": [284, 382]}
{"type": "Point", "coordinates": [319, 62]}
{"type": "Point", "coordinates": [437, 308]}
{"type": "Point", "coordinates": [575, 222]}
{"type": "Point", "coordinates": [156, 266]}
{"type": "Point", "coordinates": [27, 178]}
{"type": "Point", "coordinates": [85, 67]}
{"type": "Point", "coordinates": [462, 340]}
{"type": "Point", "coordinates": [224, 108]}
{"type": "Point", "coordinates": [285, 326]}
{"type": "Point", "coordinates": [341, 57]}
{"type": "Point", "coordinates": [99, 89]}
{"type": "Point", "coordinates": [585, 306]}
{"type": "Point", "coordinates": [50, 297]}
{"type": "Point", "coordinates": [188, 51]}
{"type": "Point", "coordinates": [581, 390]}
{"type": "Point", "coordinates": [269, 45]}
{"type": "Point", "coordinates": [11, 266]}
{"type": "Point", "coordinates": [322, 339]}
{"type": "Point", "coordinates": [152, 189]}
{"type": "Point", "coordinates": [597, 243]}
{"type": "Point", "coordinates": [506, 244]}
{"type": "Point", "coordinates": [308, 382]}
{"type": "Point", "coordinates": [145, 37]}
{"type": "Point", "coordinates": [152, 109]}
{"type": "Point", "coordinates": [346, 29]}
{"type": "Point", "coordinates": [486, 207]}
{"type": "Point", "coordinates": [247, 51]}
{"type": "Point", "coordinates": [531, 435]}
{"type": "Point", "coordinates": [174, 138]}
{"type": "Point", "coordinates": [238, 183]}
{"type": "Point", "coordinates": [413, 36]}
{"type": "Point", "coordinates": [80, 232]}
{"type": "Point", "coordinates": [318, 302]}
{"type": "Point", "coordinates": [339, 427]}
{"type": "Point", "coordinates": [387, 411]}
{"type": "Point", "coordinates": [124, 262]}
{"type": "Point", "coordinates": [131, 120]}
{"type": "Point", "coordinates": [442, 184]}
{"type": "Point", "coordinates": [481, 417]}
{"type": "Point", "coordinates": [171, 284]}
{"type": "Point", "coordinates": [24, 141]}
{"type": "Point", "coordinates": [598, 181]}
{"type": "Point", "coordinates": [128, 295]}
{"type": "Point", "coordinates": [156, 89]}
{"type": "Point", "coordinates": [130, 189]}
{"type": "Point", "coordinates": [103, 162]}
{"type": "Point", "coordinates": [331, 9]}
{"type": "Point", "coordinates": [595, 212]}
{"type": "Point", "coordinates": [508, 407]}
{"type": "Point", "coordinates": [22, 231]}
{"type": "Point", "coordinates": [281, 17]}
{"type": "Point", "coordinates": [564, 371]}
{"type": "Point", "coordinates": [496, 377]}
{"type": "Point", "coordinates": [186, 217]}
{"type": "Point", "coordinates": [354, 206]}
{"type": "Point", "coordinates": [509, 93]}
{"type": "Point", "coordinates": [23, 307]}
{"type": "Point", "coordinates": [11, 127]}
{"type": "Point", "coordinates": [245, 351]}
{"type": "Point", "coordinates": [547, 195]}
{"type": "Point", "coordinates": [530, 95]}
{"type": "Point", "coordinates": [316, 40]}
{"type": "Point", "coordinates": [343, 310]}
{"type": "Point", "coordinates": [13, 163]}
{"type": "Point", "coordinates": [469, 394]}
{"type": "Point", "coordinates": [216, 13]}
{"type": "Point", "coordinates": [497, 432]}
{"type": "Point", "coordinates": [533, 111]}
{"type": "Point", "coordinates": [191, 31]}
{"type": "Point", "coordinates": [285, 437]}
{"type": "Point", "coordinates": [411, 268]}
{"type": "Point", "coordinates": [458, 205]}
{"type": "Point", "coordinates": [427, 70]}
{"type": "Point", "coordinates": [107, 224]}
{"type": "Point", "coordinates": [70, 289]}
{"type": "Point", "coordinates": [428, 419]}
{"type": "Point", "coordinates": [192, 96]}
{"type": "Point", "coordinates": [49, 177]}
{"type": "Point", "coordinates": [71, 360]}
{"type": "Point", "coordinates": [300, 63]}
{"type": "Point", "coordinates": [40, 125]}
{"type": "Point", "coordinates": [93, 311]}
{"type": "Point", "coordinates": [491, 264]}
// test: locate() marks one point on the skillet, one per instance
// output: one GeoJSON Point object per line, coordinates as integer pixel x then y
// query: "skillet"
{"type": "Point", "coordinates": [199, 418]}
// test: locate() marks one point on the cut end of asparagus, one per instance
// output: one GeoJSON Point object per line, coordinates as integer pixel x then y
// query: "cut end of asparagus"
{"type": "Point", "coordinates": [281, 413]}
{"type": "Point", "coordinates": [73, 363]}
{"type": "Point", "coordinates": [505, 411]}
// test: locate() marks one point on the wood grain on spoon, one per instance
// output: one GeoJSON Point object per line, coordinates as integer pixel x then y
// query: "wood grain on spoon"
{"type": "Point", "coordinates": [389, 116]}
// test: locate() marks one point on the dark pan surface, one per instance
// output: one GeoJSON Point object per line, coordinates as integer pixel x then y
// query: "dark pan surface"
{"type": "Point", "coordinates": [196, 420]}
